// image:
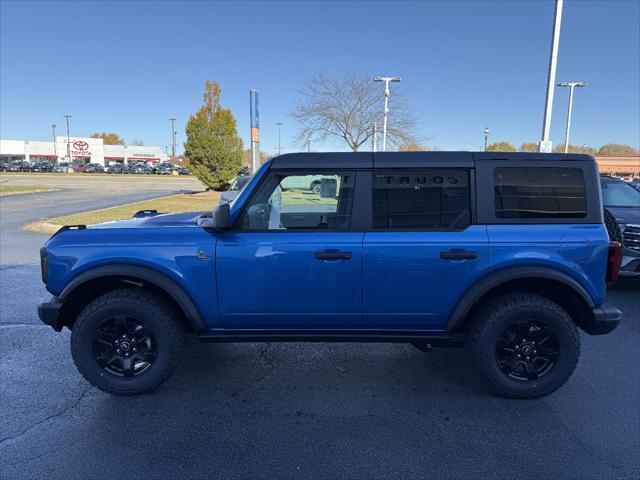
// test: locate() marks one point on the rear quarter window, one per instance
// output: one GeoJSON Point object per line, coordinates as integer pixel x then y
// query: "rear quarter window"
{"type": "Point", "coordinates": [539, 193]}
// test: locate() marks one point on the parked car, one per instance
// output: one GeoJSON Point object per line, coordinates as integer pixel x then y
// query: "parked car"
{"type": "Point", "coordinates": [78, 166]}
{"type": "Point", "coordinates": [307, 182]}
{"type": "Point", "coordinates": [504, 253]}
{"type": "Point", "coordinates": [141, 169]}
{"type": "Point", "coordinates": [622, 215]}
{"type": "Point", "coordinates": [19, 166]}
{"type": "Point", "coordinates": [93, 168]}
{"type": "Point", "coordinates": [234, 189]}
{"type": "Point", "coordinates": [42, 167]}
{"type": "Point", "coordinates": [3, 166]}
{"type": "Point", "coordinates": [62, 167]}
{"type": "Point", "coordinates": [184, 171]}
{"type": "Point", "coordinates": [166, 168]}
{"type": "Point", "coordinates": [118, 168]}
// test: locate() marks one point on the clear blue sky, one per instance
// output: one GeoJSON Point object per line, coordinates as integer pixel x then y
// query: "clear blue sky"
{"type": "Point", "coordinates": [127, 67]}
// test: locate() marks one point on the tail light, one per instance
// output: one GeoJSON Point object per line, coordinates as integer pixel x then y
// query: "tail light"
{"type": "Point", "coordinates": [614, 260]}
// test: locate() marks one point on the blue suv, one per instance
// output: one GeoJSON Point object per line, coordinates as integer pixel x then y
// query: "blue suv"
{"type": "Point", "coordinates": [506, 254]}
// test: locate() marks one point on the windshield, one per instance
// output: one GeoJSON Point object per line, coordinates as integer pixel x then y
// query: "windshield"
{"type": "Point", "coordinates": [616, 193]}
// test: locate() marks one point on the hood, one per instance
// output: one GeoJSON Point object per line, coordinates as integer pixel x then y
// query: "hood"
{"type": "Point", "coordinates": [626, 215]}
{"type": "Point", "coordinates": [185, 219]}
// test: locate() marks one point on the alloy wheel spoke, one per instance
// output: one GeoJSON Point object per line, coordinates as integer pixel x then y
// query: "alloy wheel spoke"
{"type": "Point", "coordinates": [506, 344]}
{"type": "Point", "coordinates": [128, 365]}
{"type": "Point", "coordinates": [104, 337]}
{"type": "Point", "coordinates": [530, 369]}
{"type": "Point", "coordinates": [543, 335]}
{"type": "Point", "coordinates": [107, 359]}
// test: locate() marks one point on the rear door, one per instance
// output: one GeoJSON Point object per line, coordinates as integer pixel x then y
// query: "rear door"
{"type": "Point", "coordinates": [423, 252]}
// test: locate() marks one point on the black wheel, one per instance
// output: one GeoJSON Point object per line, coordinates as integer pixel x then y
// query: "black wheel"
{"type": "Point", "coordinates": [523, 345]}
{"type": "Point", "coordinates": [315, 188]}
{"type": "Point", "coordinates": [615, 235]}
{"type": "Point", "coordinates": [128, 341]}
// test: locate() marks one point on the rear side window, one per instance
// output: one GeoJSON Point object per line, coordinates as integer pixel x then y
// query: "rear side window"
{"type": "Point", "coordinates": [539, 192]}
{"type": "Point", "coordinates": [421, 199]}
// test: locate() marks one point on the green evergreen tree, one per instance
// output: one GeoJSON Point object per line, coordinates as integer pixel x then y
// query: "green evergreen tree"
{"type": "Point", "coordinates": [213, 146]}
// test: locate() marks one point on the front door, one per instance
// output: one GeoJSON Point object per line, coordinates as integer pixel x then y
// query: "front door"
{"type": "Point", "coordinates": [292, 262]}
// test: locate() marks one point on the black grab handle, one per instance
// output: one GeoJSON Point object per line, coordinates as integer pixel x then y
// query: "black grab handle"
{"type": "Point", "coordinates": [328, 255]}
{"type": "Point", "coordinates": [458, 255]}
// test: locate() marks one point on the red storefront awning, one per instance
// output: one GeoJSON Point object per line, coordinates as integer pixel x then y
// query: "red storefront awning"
{"type": "Point", "coordinates": [114, 158]}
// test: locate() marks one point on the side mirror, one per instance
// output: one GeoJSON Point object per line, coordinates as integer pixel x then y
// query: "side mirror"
{"type": "Point", "coordinates": [222, 217]}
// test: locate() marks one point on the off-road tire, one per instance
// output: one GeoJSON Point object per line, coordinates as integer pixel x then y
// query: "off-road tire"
{"type": "Point", "coordinates": [156, 314]}
{"type": "Point", "coordinates": [615, 235]}
{"type": "Point", "coordinates": [499, 314]}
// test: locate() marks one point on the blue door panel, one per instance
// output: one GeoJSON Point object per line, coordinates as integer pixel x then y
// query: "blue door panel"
{"type": "Point", "coordinates": [407, 285]}
{"type": "Point", "coordinates": [274, 280]}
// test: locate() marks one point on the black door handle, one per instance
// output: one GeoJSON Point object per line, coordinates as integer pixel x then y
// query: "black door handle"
{"type": "Point", "coordinates": [333, 255]}
{"type": "Point", "coordinates": [458, 255]}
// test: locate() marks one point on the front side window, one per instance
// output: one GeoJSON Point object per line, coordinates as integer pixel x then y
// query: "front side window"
{"type": "Point", "coordinates": [539, 192]}
{"type": "Point", "coordinates": [290, 201]}
{"type": "Point", "coordinates": [421, 199]}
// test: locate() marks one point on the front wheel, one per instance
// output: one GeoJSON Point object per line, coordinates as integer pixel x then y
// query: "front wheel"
{"type": "Point", "coordinates": [127, 341]}
{"type": "Point", "coordinates": [523, 345]}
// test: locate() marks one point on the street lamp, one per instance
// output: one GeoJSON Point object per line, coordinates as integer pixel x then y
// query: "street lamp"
{"type": "Point", "coordinates": [55, 148]}
{"type": "Point", "coordinates": [571, 86]}
{"type": "Point", "coordinates": [486, 136]}
{"type": "Point", "coordinates": [173, 139]}
{"type": "Point", "coordinates": [67, 117]}
{"type": "Point", "coordinates": [279, 124]}
{"type": "Point", "coordinates": [545, 144]}
{"type": "Point", "coordinates": [386, 81]}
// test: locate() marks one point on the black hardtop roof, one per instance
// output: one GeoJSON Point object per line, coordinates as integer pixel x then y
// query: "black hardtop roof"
{"type": "Point", "coordinates": [367, 160]}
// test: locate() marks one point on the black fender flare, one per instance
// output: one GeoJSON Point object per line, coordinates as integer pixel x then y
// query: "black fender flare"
{"type": "Point", "coordinates": [146, 274]}
{"type": "Point", "coordinates": [477, 290]}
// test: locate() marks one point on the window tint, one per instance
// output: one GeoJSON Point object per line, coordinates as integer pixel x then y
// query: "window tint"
{"type": "Point", "coordinates": [422, 199]}
{"type": "Point", "coordinates": [539, 192]}
{"type": "Point", "coordinates": [301, 201]}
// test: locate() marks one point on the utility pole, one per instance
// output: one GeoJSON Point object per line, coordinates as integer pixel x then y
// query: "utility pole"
{"type": "Point", "coordinates": [545, 144]}
{"type": "Point", "coordinates": [374, 137]}
{"type": "Point", "coordinates": [173, 139]}
{"type": "Point", "coordinates": [55, 147]}
{"type": "Point", "coordinates": [67, 117]}
{"type": "Point", "coordinates": [386, 81]}
{"type": "Point", "coordinates": [486, 136]}
{"type": "Point", "coordinates": [279, 124]}
{"type": "Point", "coordinates": [571, 86]}
{"type": "Point", "coordinates": [254, 125]}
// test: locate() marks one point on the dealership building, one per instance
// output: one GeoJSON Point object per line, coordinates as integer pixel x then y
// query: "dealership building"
{"type": "Point", "coordinates": [79, 149]}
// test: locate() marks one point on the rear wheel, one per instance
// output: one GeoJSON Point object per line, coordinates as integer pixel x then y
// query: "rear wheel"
{"type": "Point", "coordinates": [523, 345]}
{"type": "Point", "coordinates": [128, 341]}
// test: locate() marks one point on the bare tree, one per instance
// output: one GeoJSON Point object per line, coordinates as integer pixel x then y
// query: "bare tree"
{"type": "Point", "coordinates": [347, 108]}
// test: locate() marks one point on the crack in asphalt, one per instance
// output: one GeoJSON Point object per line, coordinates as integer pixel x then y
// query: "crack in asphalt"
{"type": "Point", "coordinates": [44, 420]}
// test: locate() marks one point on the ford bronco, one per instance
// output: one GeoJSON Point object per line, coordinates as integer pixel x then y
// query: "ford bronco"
{"type": "Point", "coordinates": [504, 253]}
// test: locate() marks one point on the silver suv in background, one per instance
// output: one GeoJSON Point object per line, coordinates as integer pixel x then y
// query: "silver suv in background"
{"type": "Point", "coordinates": [623, 202]}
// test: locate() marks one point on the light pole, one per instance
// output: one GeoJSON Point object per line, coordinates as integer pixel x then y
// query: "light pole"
{"type": "Point", "coordinates": [374, 137]}
{"type": "Point", "coordinates": [486, 136]}
{"type": "Point", "coordinates": [173, 139]}
{"type": "Point", "coordinates": [545, 143]}
{"type": "Point", "coordinates": [308, 144]}
{"type": "Point", "coordinates": [386, 81]}
{"type": "Point", "coordinates": [279, 124]}
{"type": "Point", "coordinates": [571, 86]}
{"type": "Point", "coordinates": [55, 148]}
{"type": "Point", "coordinates": [67, 117]}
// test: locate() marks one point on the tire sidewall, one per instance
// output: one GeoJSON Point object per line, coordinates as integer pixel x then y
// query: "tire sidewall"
{"type": "Point", "coordinates": [82, 337]}
{"type": "Point", "coordinates": [560, 372]}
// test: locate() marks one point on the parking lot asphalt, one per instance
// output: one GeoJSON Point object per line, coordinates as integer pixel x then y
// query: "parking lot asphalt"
{"type": "Point", "coordinates": [308, 410]}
